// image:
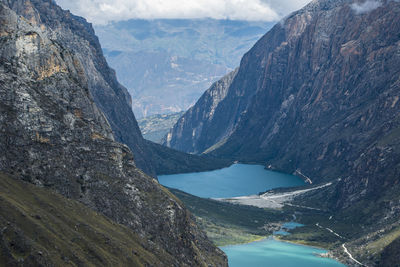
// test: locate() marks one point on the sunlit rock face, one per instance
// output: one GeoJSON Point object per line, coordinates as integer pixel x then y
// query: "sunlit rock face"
{"type": "Point", "coordinates": [56, 132]}
{"type": "Point", "coordinates": [74, 33]}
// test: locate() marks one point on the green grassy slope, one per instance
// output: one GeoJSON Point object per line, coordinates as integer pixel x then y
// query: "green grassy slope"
{"type": "Point", "coordinates": [42, 228]}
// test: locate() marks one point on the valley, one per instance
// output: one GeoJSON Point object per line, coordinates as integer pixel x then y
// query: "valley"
{"type": "Point", "coordinates": [291, 156]}
{"type": "Point", "coordinates": [230, 222]}
{"type": "Point", "coordinates": [167, 64]}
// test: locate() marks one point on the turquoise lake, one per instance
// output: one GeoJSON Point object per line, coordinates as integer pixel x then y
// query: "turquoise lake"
{"type": "Point", "coordinates": [237, 180]}
{"type": "Point", "coordinates": [270, 252]}
{"type": "Point", "coordinates": [244, 180]}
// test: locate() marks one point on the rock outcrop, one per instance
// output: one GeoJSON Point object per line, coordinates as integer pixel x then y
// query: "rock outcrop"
{"type": "Point", "coordinates": [52, 133]}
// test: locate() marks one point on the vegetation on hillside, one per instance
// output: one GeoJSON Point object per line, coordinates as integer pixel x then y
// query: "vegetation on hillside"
{"type": "Point", "coordinates": [42, 228]}
{"type": "Point", "coordinates": [170, 161]}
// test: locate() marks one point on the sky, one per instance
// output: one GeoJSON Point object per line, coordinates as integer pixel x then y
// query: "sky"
{"type": "Point", "coordinates": [105, 11]}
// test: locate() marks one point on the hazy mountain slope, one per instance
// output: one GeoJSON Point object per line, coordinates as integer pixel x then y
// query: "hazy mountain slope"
{"type": "Point", "coordinates": [155, 127]}
{"type": "Point", "coordinates": [197, 130]}
{"type": "Point", "coordinates": [154, 58]}
{"type": "Point", "coordinates": [53, 135]}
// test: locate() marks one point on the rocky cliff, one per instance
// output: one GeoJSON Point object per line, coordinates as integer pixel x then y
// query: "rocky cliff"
{"type": "Point", "coordinates": [52, 133]}
{"type": "Point", "coordinates": [74, 33]}
{"type": "Point", "coordinates": [198, 128]}
{"type": "Point", "coordinates": [319, 94]}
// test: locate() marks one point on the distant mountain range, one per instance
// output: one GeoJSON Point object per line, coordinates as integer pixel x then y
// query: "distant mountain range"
{"type": "Point", "coordinates": [167, 64]}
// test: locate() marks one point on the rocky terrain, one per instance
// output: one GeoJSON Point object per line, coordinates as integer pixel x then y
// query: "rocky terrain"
{"type": "Point", "coordinates": [74, 33]}
{"type": "Point", "coordinates": [167, 64]}
{"type": "Point", "coordinates": [318, 94]}
{"type": "Point", "coordinates": [59, 130]}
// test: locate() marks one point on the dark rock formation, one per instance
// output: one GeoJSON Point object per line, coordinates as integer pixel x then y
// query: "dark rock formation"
{"type": "Point", "coordinates": [319, 93]}
{"type": "Point", "coordinates": [52, 134]}
{"type": "Point", "coordinates": [390, 255]}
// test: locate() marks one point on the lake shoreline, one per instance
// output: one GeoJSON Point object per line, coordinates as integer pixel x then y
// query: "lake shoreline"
{"type": "Point", "coordinates": [223, 220]}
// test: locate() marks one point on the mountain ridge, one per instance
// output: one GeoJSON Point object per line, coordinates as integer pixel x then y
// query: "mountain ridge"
{"type": "Point", "coordinates": [56, 137]}
{"type": "Point", "coordinates": [154, 58]}
{"type": "Point", "coordinates": [318, 94]}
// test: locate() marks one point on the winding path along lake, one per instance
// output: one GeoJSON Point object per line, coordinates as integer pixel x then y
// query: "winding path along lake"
{"type": "Point", "coordinates": [244, 180]}
{"type": "Point", "coordinates": [237, 180]}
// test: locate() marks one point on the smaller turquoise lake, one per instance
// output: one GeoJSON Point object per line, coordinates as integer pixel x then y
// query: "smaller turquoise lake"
{"type": "Point", "coordinates": [270, 252]}
{"type": "Point", "coordinates": [237, 180]}
{"type": "Point", "coordinates": [287, 226]}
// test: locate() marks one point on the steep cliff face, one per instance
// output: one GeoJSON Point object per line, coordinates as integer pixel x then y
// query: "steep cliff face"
{"type": "Point", "coordinates": [113, 99]}
{"type": "Point", "coordinates": [318, 93]}
{"type": "Point", "coordinates": [197, 129]}
{"type": "Point", "coordinates": [52, 134]}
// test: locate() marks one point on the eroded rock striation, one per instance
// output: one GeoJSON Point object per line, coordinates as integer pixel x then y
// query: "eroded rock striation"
{"type": "Point", "coordinates": [318, 94]}
{"type": "Point", "coordinates": [75, 34]}
{"type": "Point", "coordinates": [53, 134]}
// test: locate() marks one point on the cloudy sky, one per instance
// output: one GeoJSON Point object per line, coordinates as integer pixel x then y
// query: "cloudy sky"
{"type": "Point", "coordinates": [103, 11]}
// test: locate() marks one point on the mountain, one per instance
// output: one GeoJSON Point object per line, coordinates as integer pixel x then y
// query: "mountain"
{"type": "Point", "coordinates": [154, 58]}
{"type": "Point", "coordinates": [155, 127]}
{"type": "Point", "coordinates": [42, 228]}
{"type": "Point", "coordinates": [318, 94]}
{"type": "Point", "coordinates": [197, 125]}
{"type": "Point", "coordinates": [110, 97]}
{"type": "Point", "coordinates": [59, 131]}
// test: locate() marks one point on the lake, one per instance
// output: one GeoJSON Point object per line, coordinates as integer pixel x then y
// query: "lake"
{"type": "Point", "coordinates": [244, 180]}
{"type": "Point", "coordinates": [237, 180]}
{"type": "Point", "coordinates": [270, 252]}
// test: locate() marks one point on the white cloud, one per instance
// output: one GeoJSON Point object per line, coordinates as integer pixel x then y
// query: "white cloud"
{"type": "Point", "coordinates": [284, 7]}
{"type": "Point", "coordinates": [365, 7]}
{"type": "Point", "coordinates": [103, 11]}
